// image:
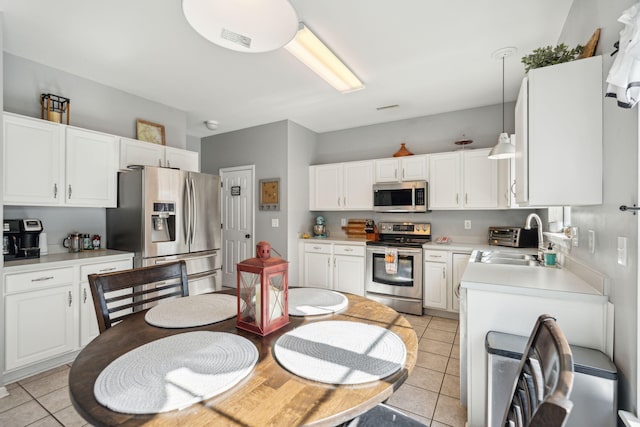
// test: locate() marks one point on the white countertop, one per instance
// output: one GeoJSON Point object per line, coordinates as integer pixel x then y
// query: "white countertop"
{"type": "Point", "coordinates": [338, 239]}
{"type": "Point", "coordinates": [65, 258]}
{"type": "Point", "coordinates": [525, 280]}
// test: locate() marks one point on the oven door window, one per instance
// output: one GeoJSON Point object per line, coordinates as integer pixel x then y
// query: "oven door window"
{"type": "Point", "coordinates": [404, 275]}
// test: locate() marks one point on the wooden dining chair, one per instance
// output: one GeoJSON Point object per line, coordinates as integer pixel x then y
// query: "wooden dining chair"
{"type": "Point", "coordinates": [119, 294]}
{"type": "Point", "coordinates": [541, 390]}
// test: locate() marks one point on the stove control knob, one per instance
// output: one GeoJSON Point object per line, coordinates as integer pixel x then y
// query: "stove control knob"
{"type": "Point", "coordinates": [418, 227]}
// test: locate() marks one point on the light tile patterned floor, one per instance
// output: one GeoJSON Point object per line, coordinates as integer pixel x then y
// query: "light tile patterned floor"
{"type": "Point", "coordinates": [431, 393]}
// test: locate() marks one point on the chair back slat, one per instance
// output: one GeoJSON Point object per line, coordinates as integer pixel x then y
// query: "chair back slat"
{"type": "Point", "coordinates": [119, 294]}
{"type": "Point", "coordinates": [541, 391]}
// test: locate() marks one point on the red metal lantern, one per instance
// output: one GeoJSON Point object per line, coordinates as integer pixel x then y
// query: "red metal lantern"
{"type": "Point", "coordinates": [262, 292]}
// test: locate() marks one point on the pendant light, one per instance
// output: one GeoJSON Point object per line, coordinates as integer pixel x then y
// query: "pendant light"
{"type": "Point", "coordinates": [504, 149]}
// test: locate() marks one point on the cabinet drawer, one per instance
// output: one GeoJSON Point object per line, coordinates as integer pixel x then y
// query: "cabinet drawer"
{"type": "Point", "coordinates": [319, 248]}
{"type": "Point", "coordinates": [436, 256]}
{"type": "Point", "coordinates": [103, 267]}
{"type": "Point", "coordinates": [348, 250]}
{"type": "Point", "coordinates": [21, 282]}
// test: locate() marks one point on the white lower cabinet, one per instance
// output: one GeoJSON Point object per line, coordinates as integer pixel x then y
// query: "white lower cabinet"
{"type": "Point", "coordinates": [459, 262]}
{"type": "Point", "coordinates": [333, 266]}
{"type": "Point", "coordinates": [49, 311]}
{"type": "Point", "coordinates": [443, 271]}
{"type": "Point", "coordinates": [88, 319]}
{"type": "Point", "coordinates": [39, 317]}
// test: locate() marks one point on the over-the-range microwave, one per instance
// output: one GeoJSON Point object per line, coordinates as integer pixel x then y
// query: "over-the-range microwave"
{"type": "Point", "coordinates": [409, 196]}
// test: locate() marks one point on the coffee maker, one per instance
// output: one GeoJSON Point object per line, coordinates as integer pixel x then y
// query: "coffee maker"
{"type": "Point", "coordinates": [20, 238]}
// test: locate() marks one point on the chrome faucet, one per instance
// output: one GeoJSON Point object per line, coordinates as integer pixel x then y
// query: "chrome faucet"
{"type": "Point", "coordinates": [527, 226]}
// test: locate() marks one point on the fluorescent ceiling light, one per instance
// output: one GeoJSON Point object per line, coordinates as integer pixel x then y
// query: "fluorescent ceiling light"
{"type": "Point", "coordinates": [316, 55]}
{"type": "Point", "coordinates": [243, 25]}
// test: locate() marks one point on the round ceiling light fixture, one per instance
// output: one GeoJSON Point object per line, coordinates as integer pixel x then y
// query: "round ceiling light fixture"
{"type": "Point", "coordinates": [211, 124]}
{"type": "Point", "coordinates": [243, 25]}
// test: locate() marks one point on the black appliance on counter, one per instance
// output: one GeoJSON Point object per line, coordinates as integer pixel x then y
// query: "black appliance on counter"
{"type": "Point", "coordinates": [399, 287]}
{"type": "Point", "coordinates": [514, 237]}
{"type": "Point", "coordinates": [20, 238]}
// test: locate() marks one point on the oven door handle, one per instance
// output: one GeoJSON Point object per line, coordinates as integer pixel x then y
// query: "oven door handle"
{"type": "Point", "coordinates": [401, 251]}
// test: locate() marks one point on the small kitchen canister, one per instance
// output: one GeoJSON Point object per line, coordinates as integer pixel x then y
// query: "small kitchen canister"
{"type": "Point", "coordinates": [550, 257]}
{"type": "Point", "coordinates": [96, 242]}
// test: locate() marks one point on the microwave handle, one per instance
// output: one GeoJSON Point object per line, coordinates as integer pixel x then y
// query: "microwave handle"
{"type": "Point", "coordinates": [413, 197]}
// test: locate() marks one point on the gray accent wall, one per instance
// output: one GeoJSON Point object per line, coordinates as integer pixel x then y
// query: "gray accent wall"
{"type": "Point", "coordinates": [93, 105]}
{"type": "Point", "coordinates": [428, 134]}
{"type": "Point", "coordinates": [620, 169]}
{"type": "Point", "coordinates": [265, 147]}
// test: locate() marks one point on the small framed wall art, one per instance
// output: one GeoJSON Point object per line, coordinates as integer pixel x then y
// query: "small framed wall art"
{"type": "Point", "coordinates": [270, 194]}
{"type": "Point", "coordinates": [149, 132]}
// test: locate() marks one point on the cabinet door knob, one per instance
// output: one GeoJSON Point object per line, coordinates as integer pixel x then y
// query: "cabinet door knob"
{"type": "Point", "coordinates": [84, 295]}
{"type": "Point", "coordinates": [70, 299]}
{"type": "Point", "coordinates": [55, 191]}
{"type": "Point", "coordinates": [70, 191]}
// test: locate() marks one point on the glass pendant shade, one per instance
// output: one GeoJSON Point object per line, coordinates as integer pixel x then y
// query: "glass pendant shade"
{"type": "Point", "coordinates": [504, 149]}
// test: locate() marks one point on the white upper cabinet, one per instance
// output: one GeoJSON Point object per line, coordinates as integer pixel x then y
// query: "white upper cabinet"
{"type": "Point", "coordinates": [409, 168]}
{"type": "Point", "coordinates": [463, 179]}
{"type": "Point", "coordinates": [479, 179]}
{"type": "Point", "coordinates": [444, 180]}
{"type": "Point", "coordinates": [33, 161]}
{"type": "Point", "coordinates": [49, 164]}
{"type": "Point", "coordinates": [341, 186]}
{"type": "Point", "coordinates": [559, 135]}
{"type": "Point", "coordinates": [135, 152]}
{"type": "Point", "coordinates": [91, 171]}
{"type": "Point", "coordinates": [181, 159]}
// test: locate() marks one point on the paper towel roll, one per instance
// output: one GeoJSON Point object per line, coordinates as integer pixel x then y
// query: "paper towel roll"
{"type": "Point", "coordinates": [44, 249]}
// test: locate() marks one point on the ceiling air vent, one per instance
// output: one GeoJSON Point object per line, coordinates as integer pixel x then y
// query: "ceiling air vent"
{"type": "Point", "coordinates": [386, 107]}
{"type": "Point", "coordinates": [236, 38]}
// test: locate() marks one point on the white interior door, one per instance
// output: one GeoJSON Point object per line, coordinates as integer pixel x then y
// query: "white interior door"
{"type": "Point", "coordinates": [237, 220]}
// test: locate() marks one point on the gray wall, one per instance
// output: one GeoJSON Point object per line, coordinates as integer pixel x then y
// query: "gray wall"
{"type": "Point", "coordinates": [265, 147]}
{"type": "Point", "coordinates": [620, 132]}
{"type": "Point", "coordinates": [428, 134]}
{"type": "Point", "coordinates": [93, 106]}
{"type": "Point", "coordinates": [301, 144]}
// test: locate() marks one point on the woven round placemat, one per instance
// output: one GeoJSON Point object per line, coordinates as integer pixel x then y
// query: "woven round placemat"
{"type": "Point", "coordinates": [315, 301]}
{"type": "Point", "coordinates": [193, 311]}
{"type": "Point", "coordinates": [175, 372]}
{"type": "Point", "coordinates": [341, 352]}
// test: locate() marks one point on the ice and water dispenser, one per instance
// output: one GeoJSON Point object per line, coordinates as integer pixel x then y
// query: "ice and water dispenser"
{"type": "Point", "coordinates": [163, 222]}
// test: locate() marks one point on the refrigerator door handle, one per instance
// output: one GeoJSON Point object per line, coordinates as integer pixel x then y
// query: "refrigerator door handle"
{"type": "Point", "coordinates": [194, 219]}
{"type": "Point", "coordinates": [187, 220]}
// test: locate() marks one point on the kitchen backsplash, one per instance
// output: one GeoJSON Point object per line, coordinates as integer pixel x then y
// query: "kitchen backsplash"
{"type": "Point", "coordinates": [443, 223]}
{"type": "Point", "coordinates": [58, 222]}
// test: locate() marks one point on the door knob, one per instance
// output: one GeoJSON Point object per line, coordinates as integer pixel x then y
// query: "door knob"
{"type": "Point", "coordinates": [247, 236]}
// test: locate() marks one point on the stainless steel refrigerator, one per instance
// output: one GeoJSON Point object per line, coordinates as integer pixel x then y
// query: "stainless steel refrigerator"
{"type": "Point", "coordinates": [165, 215]}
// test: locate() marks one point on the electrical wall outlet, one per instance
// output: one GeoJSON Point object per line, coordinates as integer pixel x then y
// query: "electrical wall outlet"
{"type": "Point", "coordinates": [343, 222]}
{"type": "Point", "coordinates": [622, 251]}
{"type": "Point", "coordinates": [591, 237]}
{"type": "Point", "coordinates": [574, 236]}
{"type": "Point", "coordinates": [467, 224]}
{"type": "Point", "coordinates": [275, 222]}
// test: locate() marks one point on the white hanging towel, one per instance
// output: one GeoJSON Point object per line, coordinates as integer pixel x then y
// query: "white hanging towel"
{"type": "Point", "coordinates": [391, 260]}
{"type": "Point", "coordinates": [624, 76]}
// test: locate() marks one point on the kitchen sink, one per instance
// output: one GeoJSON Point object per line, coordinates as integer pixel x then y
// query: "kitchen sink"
{"type": "Point", "coordinates": [506, 258]}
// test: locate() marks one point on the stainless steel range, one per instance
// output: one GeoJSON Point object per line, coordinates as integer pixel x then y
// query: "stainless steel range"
{"type": "Point", "coordinates": [394, 265]}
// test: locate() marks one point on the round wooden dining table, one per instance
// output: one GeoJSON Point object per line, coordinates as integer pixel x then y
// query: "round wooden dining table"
{"type": "Point", "coordinates": [269, 396]}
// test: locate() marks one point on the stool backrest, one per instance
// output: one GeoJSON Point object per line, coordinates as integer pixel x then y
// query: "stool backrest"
{"type": "Point", "coordinates": [119, 294]}
{"type": "Point", "coordinates": [545, 377]}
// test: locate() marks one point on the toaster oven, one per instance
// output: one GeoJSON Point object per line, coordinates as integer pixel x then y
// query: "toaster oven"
{"type": "Point", "coordinates": [515, 237]}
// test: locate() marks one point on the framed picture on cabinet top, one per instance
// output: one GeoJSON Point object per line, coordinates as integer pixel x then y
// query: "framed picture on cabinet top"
{"type": "Point", "coordinates": [150, 132]}
{"type": "Point", "coordinates": [270, 194]}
